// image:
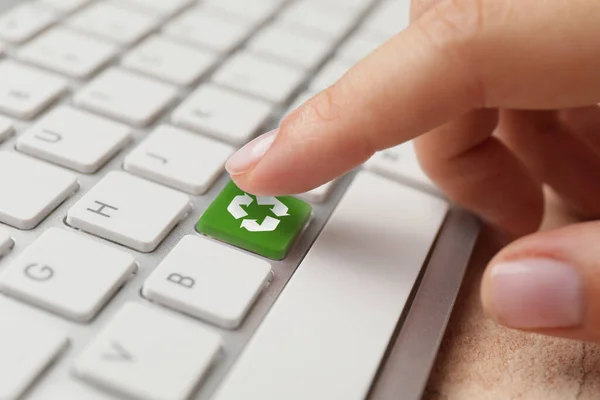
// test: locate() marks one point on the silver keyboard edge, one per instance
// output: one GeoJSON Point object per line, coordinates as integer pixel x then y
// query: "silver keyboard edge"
{"type": "Point", "coordinates": [412, 355]}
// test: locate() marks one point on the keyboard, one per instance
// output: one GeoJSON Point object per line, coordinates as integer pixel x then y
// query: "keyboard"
{"type": "Point", "coordinates": [124, 271]}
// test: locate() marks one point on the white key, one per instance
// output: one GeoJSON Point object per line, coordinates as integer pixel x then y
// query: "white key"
{"type": "Point", "coordinates": [31, 189]}
{"type": "Point", "coordinates": [253, 75]}
{"type": "Point", "coordinates": [290, 47]}
{"type": "Point", "coordinates": [25, 91]}
{"type": "Point", "coordinates": [114, 22]}
{"type": "Point", "coordinates": [149, 354]}
{"type": "Point", "coordinates": [400, 163]}
{"type": "Point", "coordinates": [252, 11]}
{"type": "Point", "coordinates": [328, 75]}
{"type": "Point", "coordinates": [389, 18]}
{"type": "Point", "coordinates": [28, 345]}
{"type": "Point", "coordinates": [357, 47]}
{"type": "Point", "coordinates": [208, 31]}
{"type": "Point", "coordinates": [25, 21]}
{"type": "Point", "coordinates": [49, 274]}
{"type": "Point", "coordinates": [319, 194]}
{"type": "Point", "coordinates": [180, 159]}
{"type": "Point", "coordinates": [64, 6]}
{"type": "Point", "coordinates": [223, 114]}
{"type": "Point", "coordinates": [6, 128]}
{"type": "Point", "coordinates": [160, 8]}
{"type": "Point", "coordinates": [323, 338]}
{"type": "Point", "coordinates": [6, 242]}
{"type": "Point", "coordinates": [74, 139]}
{"type": "Point", "coordinates": [165, 59]}
{"type": "Point", "coordinates": [220, 289]}
{"type": "Point", "coordinates": [355, 6]}
{"type": "Point", "coordinates": [68, 52]}
{"type": "Point", "coordinates": [126, 96]}
{"type": "Point", "coordinates": [319, 20]}
{"type": "Point", "coordinates": [129, 211]}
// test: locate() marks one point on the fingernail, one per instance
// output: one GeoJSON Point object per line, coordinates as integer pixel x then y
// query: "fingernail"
{"type": "Point", "coordinates": [249, 155]}
{"type": "Point", "coordinates": [536, 293]}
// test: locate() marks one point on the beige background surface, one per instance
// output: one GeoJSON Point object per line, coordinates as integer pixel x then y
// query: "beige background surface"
{"type": "Point", "coordinates": [482, 360]}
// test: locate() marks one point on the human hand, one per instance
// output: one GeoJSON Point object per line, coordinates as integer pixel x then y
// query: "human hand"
{"type": "Point", "coordinates": [501, 96]}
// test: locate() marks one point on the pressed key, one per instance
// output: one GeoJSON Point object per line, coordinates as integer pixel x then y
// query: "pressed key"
{"type": "Point", "coordinates": [25, 21]}
{"type": "Point", "coordinates": [6, 242]}
{"type": "Point", "coordinates": [113, 21]}
{"type": "Point", "coordinates": [207, 30]}
{"type": "Point", "coordinates": [165, 59]}
{"type": "Point", "coordinates": [327, 333]}
{"type": "Point", "coordinates": [31, 189]}
{"type": "Point", "coordinates": [6, 128]}
{"type": "Point", "coordinates": [267, 226]}
{"type": "Point", "coordinates": [180, 159]}
{"type": "Point", "coordinates": [149, 354]}
{"type": "Point", "coordinates": [64, 6]}
{"type": "Point", "coordinates": [281, 44]}
{"type": "Point", "coordinates": [159, 8]}
{"type": "Point", "coordinates": [50, 274]}
{"type": "Point", "coordinates": [26, 91]}
{"type": "Point", "coordinates": [222, 113]}
{"type": "Point", "coordinates": [401, 163]}
{"type": "Point", "coordinates": [129, 211]}
{"type": "Point", "coordinates": [28, 345]}
{"type": "Point", "coordinates": [220, 289]}
{"type": "Point", "coordinates": [68, 52]}
{"type": "Point", "coordinates": [256, 76]}
{"type": "Point", "coordinates": [126, 96]}
{"type": "Point", "coordinates": [74, 139]}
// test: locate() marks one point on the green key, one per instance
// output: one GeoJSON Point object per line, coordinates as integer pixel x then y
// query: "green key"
{"type": "Point", "coordinates": [267, 226]}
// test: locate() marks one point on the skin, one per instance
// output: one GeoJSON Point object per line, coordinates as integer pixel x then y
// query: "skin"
{"type": "Point", "coordinates": [501, 97]}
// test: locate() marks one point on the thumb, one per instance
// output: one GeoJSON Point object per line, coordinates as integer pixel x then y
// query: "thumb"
{"type": "Point", "coordinates": [548, 283]}
{"type": "Point", "coordinates": [457, 56]}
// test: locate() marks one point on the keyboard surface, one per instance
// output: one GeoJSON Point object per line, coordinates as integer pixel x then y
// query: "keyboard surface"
{"type": "Point", "coordinates": [116, 120]}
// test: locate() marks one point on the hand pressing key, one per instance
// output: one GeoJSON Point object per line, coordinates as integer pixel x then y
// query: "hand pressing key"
{"type": "Point", "coordinates": [501, 96]}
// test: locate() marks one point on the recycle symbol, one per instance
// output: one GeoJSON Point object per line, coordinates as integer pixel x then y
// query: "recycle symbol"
{"type": "Point", "coordinates": [251, 225]}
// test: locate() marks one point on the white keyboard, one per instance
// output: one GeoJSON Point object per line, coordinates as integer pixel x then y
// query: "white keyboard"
{"type": "Point", "coordinates": [116, 120]}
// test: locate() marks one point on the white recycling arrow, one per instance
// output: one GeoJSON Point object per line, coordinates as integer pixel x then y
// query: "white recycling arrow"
{"type": "Point", "coordinates": [235, 207]}
{"type": "Point", "coordinates": [279, 209]}
{"type": "Point", "coordinates": [268, 225]}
